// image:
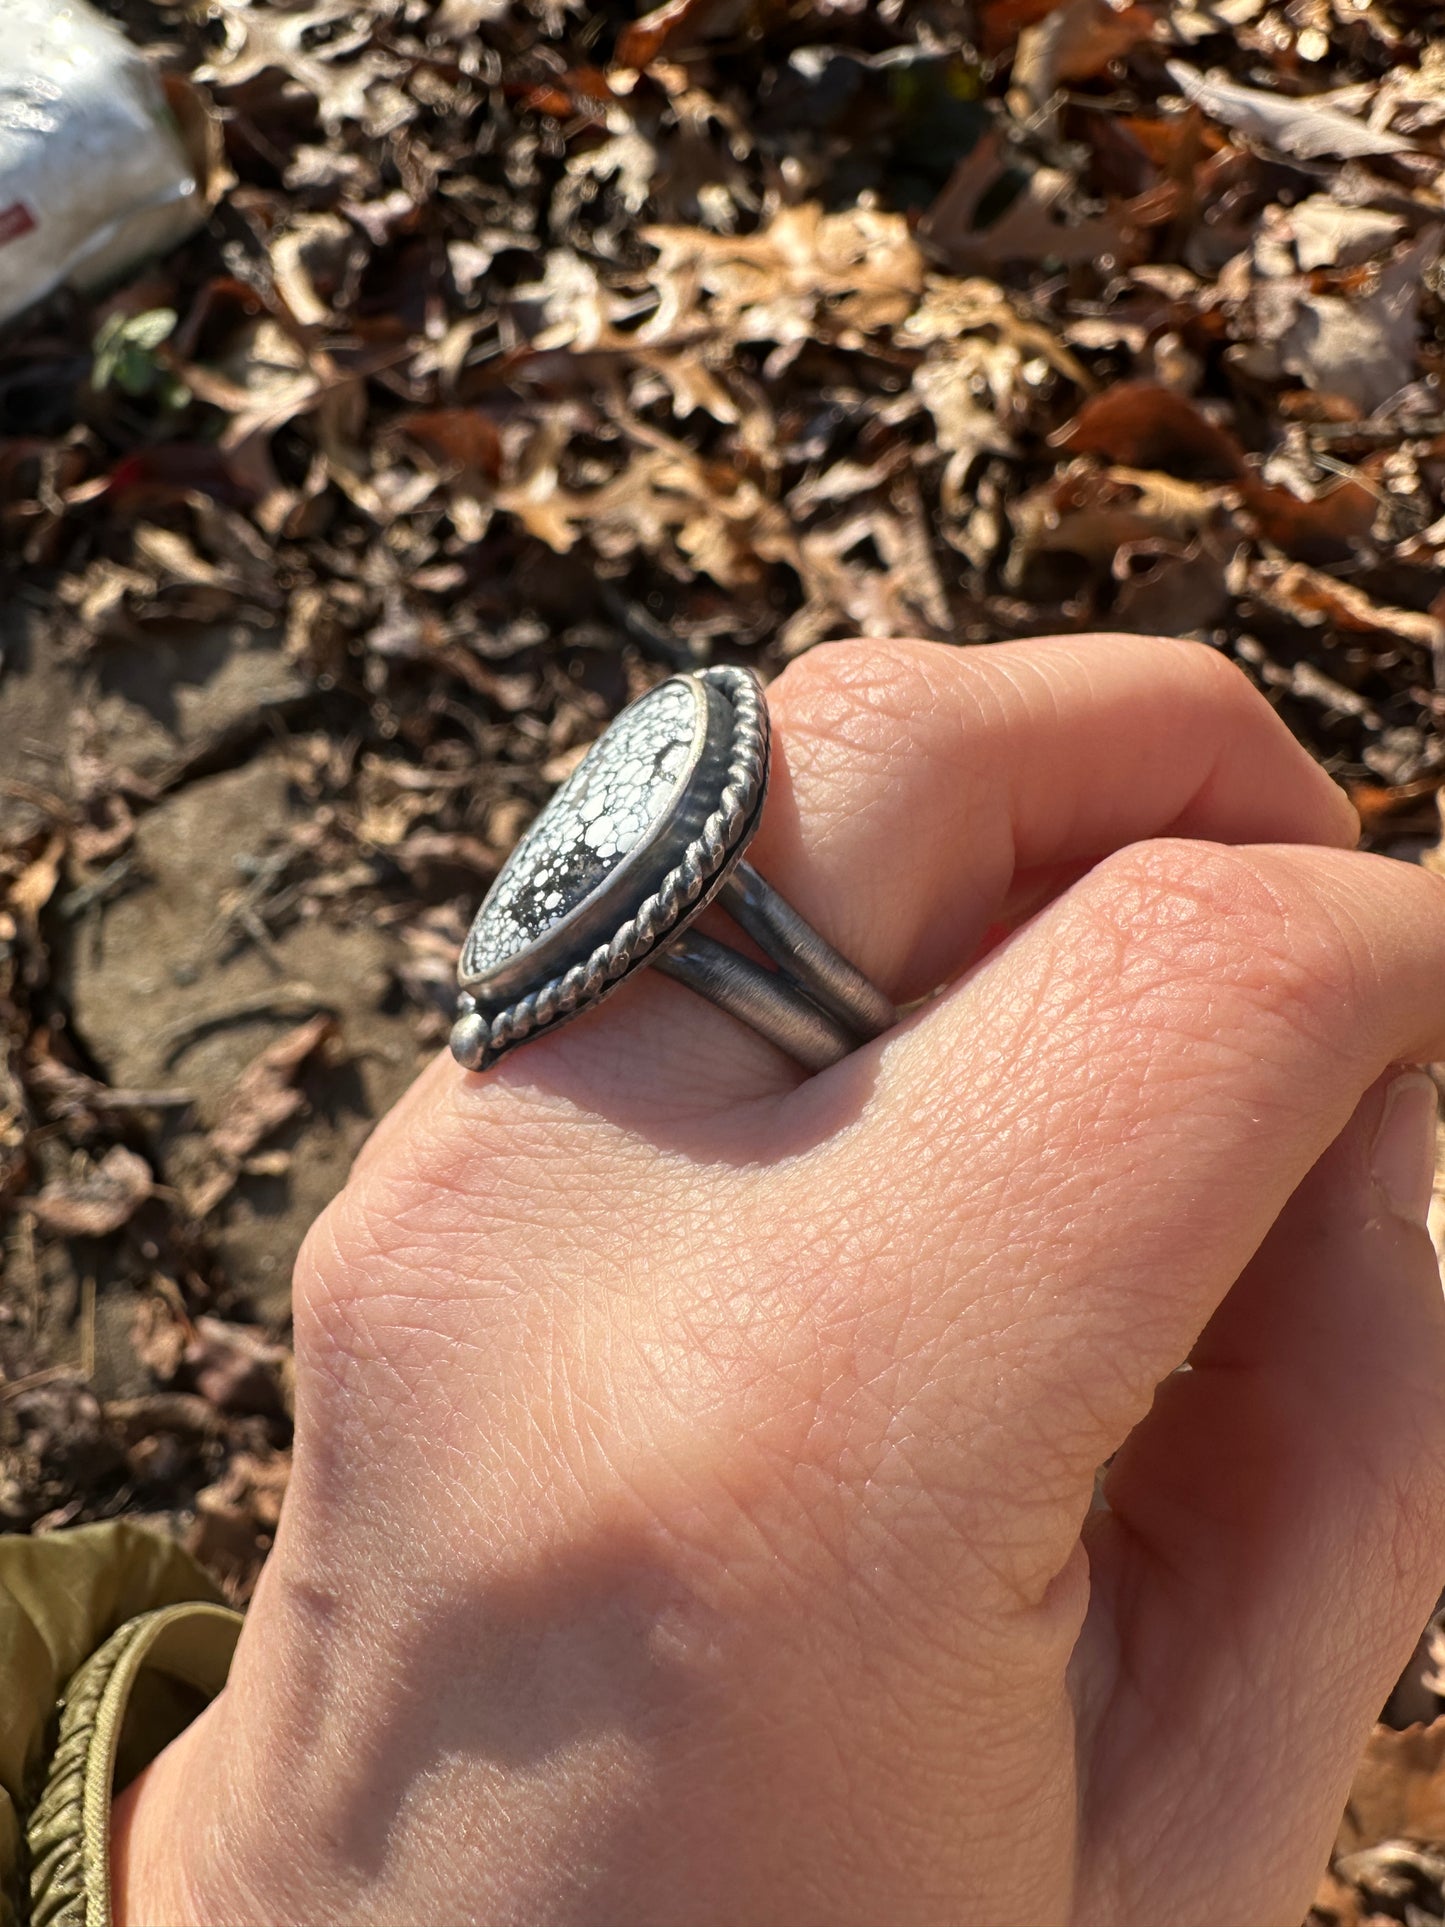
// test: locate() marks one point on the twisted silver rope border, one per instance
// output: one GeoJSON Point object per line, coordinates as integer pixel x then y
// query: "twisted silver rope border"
{"type": "Point", "coordinates": [656, 916]}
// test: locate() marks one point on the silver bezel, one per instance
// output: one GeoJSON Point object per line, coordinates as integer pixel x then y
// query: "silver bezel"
{"type": "Point", "coordinates": [484, 1029]}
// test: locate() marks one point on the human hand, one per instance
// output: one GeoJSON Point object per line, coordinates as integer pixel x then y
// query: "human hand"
{"type": "Point", "coordinates": [691, 1517]}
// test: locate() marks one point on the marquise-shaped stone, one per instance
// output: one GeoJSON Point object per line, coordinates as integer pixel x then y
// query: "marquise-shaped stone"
{"type": "Point", "coordinates": [610, 805]}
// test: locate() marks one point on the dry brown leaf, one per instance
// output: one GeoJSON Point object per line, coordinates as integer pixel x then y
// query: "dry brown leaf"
{"type": "Point", "coordinates": [236, 1519]}
{"type": "Point", "coordinates": [28, 895]}
{"type": "Point", "coordinates": [1167, 589]}
{"type": "Point", "coordinates": [1026, 230]}
{"type": "Point", "coordinates": [952, 308]}
{"type": "Point", "coordinates": [1398, 1791]}
{"type": "Point", "coordinates": [1305, 128]}
{"type": "Point", "coordinates": [236, 1368]}
{"type": "Point", "coordinates": [466, 440]}
{"type": "Point", "coordinates": [264, 1098]}
{"type": "Point", "coordinates": [1362, 346]}
{"type": "Point", "coordinates": [805, 272]}
{"type": "Point", "coordinates": [1328, 528]}
{"type": "Point", "coordinates": [1411, 98]}
{"type": "Point", "coordinates": [296, 44]}
{"type": "Point", "coordinates": [968, 389]}
{"type": "Point", "coordinates": [175, 560]}
{"type": "Point", "coordinates": [202, 135]}
{"type": "Point", "coordinates": [1378, 805]}
{"type": "Point", "coordinates": [674, 28]}
{"type": "Point", "coordinates": [1097, 33]}
{"type": "Point", "coordinates": [694, 386]}
{"type": "Point", "coordinates": [1096, 514]}
{"type": "Point", "coordinates": [701, 516]}
{"type": "Point", "coordinates": [159, 1336]}
{"type": "Point", "coordinates": [311, 263]}
{"type": "Point", "coordinates": [99, 1199]}
{"type": "Point", "coordinates": [266, 1094]}
{"type": "Point", "coordinates": [1003, 21]}
{"type": "Point", "coordinates": [1327, 235]}
{"type": "Point", "coordinates": [1144, 425]}
{"type": "Point", "coordinates": [70, 1093]}
{"type": "Point", "coordinates": [1314, 598]}
{"type": "Point", "coordinates": [1336, 1904]}
{"type": "Point", "coordinates": [903, 598]}
{"type": "Point", "coordinates": [1072, 42]}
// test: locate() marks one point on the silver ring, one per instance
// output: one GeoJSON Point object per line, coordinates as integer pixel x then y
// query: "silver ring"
{"type": "Point", "coordinates": [648, 830]}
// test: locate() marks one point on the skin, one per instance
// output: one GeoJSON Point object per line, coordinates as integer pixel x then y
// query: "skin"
{"type": "Point", "coordinates": [693, 1516]}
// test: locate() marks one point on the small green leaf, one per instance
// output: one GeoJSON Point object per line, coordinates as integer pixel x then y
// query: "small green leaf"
{"type": "Point", "coordinates": [150, 329]}
{"type": "Point", "coordinates": [124, 352]}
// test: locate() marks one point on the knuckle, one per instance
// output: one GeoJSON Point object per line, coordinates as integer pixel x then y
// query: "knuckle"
{"type": "Point", "coordinates": [1160, 656]}
{"type": "Point", "coordinates": [370, 1255]}
{"type": "Point", "coordinates": [1190, 671]}
{"type": "Point", "coordinates": [1224, 926]}
{"type": "Point", "coordinates": [1139, 882]}
{"type": "Point", "coordinates": [328, 1308]}
{"type": "Point", "coordinates": [333, 1269]}
{"type": "Point", "coordinates": [319, 1262]}
{"type": "Point", "coordinates": [1220, 687]}
{"type": "Point", "coordinates": [865, 697]}
{"type": "Point", "coordinates": [1214, 672]}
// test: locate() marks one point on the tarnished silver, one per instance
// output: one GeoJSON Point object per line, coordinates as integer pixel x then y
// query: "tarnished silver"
{"type": "Point", "coordinates": [795, 946]}
{"type": "Point", "coordinates": [745, 989]}
{"type": "Point", "coordinates": [648, 830]}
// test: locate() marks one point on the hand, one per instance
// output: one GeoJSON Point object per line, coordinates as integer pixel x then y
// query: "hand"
{"type": "Point", "coordinates": [691, 1519]}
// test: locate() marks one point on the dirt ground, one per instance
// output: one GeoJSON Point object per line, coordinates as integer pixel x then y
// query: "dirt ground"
{"type": "Point", "coordinates": [530, 350]}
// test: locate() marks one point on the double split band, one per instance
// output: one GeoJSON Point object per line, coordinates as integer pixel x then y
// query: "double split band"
{"type": "Point", "coordinates": [649, 829]}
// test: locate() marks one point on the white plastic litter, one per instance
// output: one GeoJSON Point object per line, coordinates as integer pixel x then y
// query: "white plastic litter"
{"type": "Point", "coordinates": [93, 173]}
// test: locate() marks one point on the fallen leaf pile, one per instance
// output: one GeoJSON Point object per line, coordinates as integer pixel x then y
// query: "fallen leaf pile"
{"type": "Point", "coordinates": [531, 350]}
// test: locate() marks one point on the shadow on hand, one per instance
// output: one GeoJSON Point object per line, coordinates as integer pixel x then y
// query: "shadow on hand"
{"type": "Point", "coordinates": [669, 1069]}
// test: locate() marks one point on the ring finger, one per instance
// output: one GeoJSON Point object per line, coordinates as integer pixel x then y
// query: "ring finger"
{"type": "Point", "coordinates": [919, 791]}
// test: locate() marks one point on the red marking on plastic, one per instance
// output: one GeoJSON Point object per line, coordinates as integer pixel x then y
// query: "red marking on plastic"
{"type": "Point", "coordinates": [15, 220]}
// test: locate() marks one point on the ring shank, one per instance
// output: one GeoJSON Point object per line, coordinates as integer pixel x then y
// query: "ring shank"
{"type": "Point", "coordinates": [745, 990]}
{"type": "Point", "coordinates": [820, 972]}
{"type": "Point", "coordinates": [816, 1007]}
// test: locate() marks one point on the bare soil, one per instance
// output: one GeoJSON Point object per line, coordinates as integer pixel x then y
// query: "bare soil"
{"type": "Point", "coordinates": [532, 350]}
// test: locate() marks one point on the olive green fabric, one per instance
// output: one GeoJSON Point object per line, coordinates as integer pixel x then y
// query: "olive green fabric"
{"type": "Point", "coordinates": [111, 1640]}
